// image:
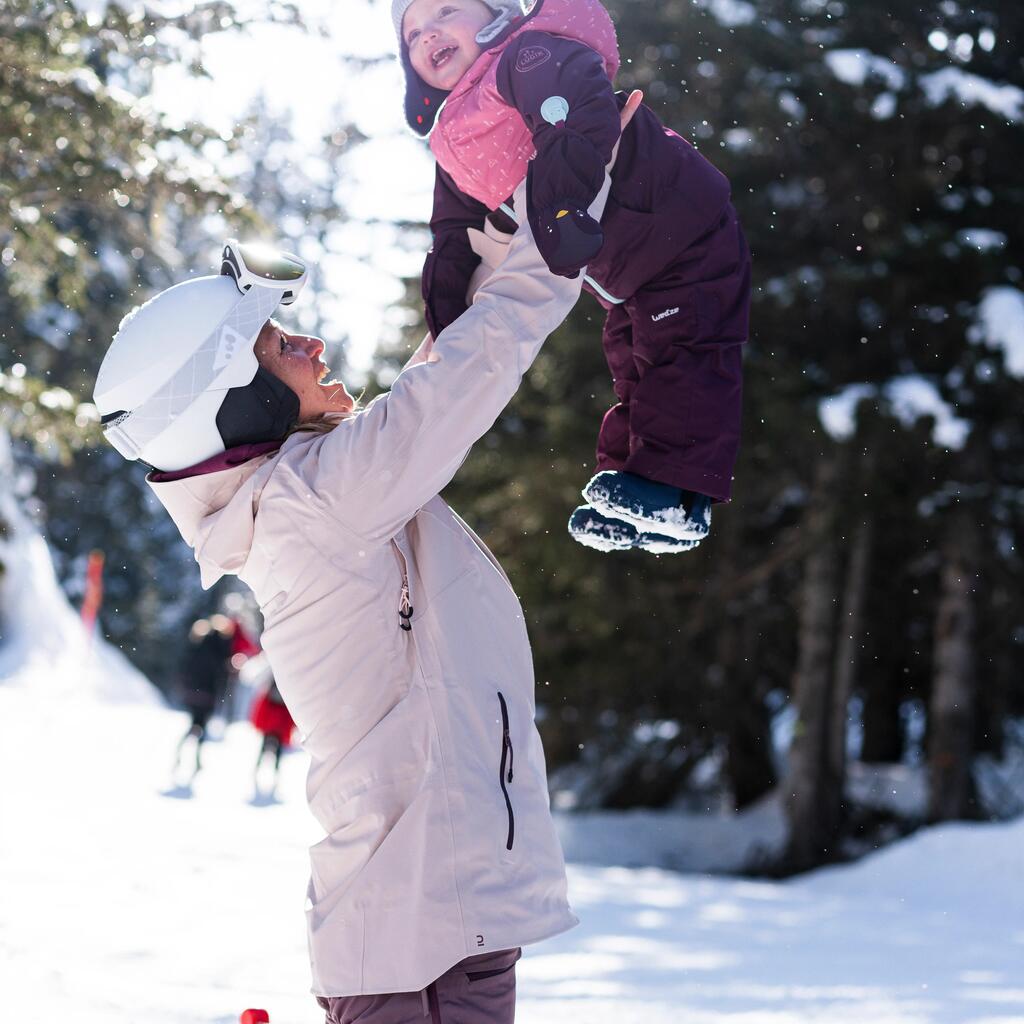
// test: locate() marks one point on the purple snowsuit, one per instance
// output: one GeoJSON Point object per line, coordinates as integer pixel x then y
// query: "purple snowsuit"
{"type": "Point", "coordinates": [673, 270]}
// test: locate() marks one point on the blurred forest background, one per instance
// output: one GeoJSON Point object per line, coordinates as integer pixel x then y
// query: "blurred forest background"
{"type": "Point", "coordinates": [858, 603]}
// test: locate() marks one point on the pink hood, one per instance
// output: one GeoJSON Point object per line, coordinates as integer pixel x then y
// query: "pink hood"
{"type": "Point", "coordinates": [479, 139]}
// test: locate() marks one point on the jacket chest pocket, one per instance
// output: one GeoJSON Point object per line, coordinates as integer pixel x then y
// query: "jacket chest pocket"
{"type": "Point", "coordinates": [505, 770]}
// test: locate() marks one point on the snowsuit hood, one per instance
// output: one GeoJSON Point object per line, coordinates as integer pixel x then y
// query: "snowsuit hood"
{"type": "Point", "coordinates": [213, 504]}
{"type": "Point", "coordinates": [481, 141]}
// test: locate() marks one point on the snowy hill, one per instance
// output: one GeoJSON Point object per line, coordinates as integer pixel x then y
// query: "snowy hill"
{"type": "Point", "coordinates": [128, 899]}
{"type": "Point", "coordinates": [42, 642]}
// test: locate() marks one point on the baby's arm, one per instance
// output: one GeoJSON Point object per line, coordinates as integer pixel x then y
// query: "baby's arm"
{"type": "Point", "coordinates": [560, 88]}
{"type": "Point", "coordinates": [450, 263]}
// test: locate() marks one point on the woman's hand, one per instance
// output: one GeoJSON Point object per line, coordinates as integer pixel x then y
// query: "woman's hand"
{"type": "Point", "coordinates": [634, 100]}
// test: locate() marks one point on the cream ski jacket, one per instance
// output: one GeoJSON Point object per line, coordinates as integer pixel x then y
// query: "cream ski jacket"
{"type": "Point", "coordinates": [401, 651]}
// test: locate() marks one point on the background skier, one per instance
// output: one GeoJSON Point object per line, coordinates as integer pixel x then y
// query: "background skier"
{"type": "Point", "coordinates": [206, 664]}
{"type": "Point", "coordinates": [271, 718]}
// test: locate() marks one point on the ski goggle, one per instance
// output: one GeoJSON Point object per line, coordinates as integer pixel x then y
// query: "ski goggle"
{"type": "Point", "coordinates": [253, 265]}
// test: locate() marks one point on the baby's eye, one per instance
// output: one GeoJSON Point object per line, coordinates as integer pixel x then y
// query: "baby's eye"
{"type": "Point", "coordinates": [445, 11]}
{"type": "Point", "coordinates": [412, 37]}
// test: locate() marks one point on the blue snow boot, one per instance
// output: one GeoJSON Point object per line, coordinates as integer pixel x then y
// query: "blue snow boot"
{"type": "Point", "coordinates": [650, 507]}
{"type": "Point", "coordinates": [593, 530]}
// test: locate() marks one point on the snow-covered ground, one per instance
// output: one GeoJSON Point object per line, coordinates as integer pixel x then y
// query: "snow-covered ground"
{"type": "Point", "coordinates": [127, 899]}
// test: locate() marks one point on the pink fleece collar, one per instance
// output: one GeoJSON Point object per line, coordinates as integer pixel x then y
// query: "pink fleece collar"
{"type": "Point", "coordinates": [216, 463]}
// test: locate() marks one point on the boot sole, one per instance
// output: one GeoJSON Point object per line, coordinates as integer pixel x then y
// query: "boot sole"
{"type": "Point", "coordinates": [599, 498]}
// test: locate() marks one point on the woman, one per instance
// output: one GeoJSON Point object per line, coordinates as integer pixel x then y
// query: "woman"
{"type": "Point", "coordinates": [394, 636]}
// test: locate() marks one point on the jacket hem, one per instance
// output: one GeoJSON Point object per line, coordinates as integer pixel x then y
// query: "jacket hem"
{"type": "Point", "coordinates": [417, 984]}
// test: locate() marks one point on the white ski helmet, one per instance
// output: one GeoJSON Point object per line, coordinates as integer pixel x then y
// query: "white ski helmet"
{"type": "Point", "coordinates": [180, 382]}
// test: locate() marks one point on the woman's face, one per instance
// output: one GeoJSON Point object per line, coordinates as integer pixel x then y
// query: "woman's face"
{"type": "Point", "coordinates": [295, 360]}
{"type": "Point", "coordinates": [441, 36]}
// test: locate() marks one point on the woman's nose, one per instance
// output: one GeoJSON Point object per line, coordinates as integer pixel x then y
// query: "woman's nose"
{"type": "Point", "coordinates": [313, 347]}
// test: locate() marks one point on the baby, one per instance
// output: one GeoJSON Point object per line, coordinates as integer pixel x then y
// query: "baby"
{"type": "Point", "coordinates": [509, 89]}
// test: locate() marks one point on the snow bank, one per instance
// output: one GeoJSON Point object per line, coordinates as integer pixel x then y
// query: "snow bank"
{"type": "Point", "coordinates": [956, 868]}
{"type": "Point", "coordinates": [43, 644]}
{"type": "Point", "coordinates": [721, 843]}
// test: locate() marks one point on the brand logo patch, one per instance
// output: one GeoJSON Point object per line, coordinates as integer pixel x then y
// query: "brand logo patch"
{"type": "Point", "coordinates": [227, 346]}
{"type": "Point", "coordinates": [531, 57]}
{"type": "Point", "coordinates": [668, 312]}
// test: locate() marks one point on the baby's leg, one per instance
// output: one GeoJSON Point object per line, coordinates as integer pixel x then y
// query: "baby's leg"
{"type": "Point", "coordinates": [688, 329]}
{"type": "Point", "coordinates": [613, 438]}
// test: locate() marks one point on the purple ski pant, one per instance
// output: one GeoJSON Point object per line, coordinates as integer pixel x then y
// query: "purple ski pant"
{"type": "Point", "coordinates": [479, 990]}
{"type": "Point", "coordinates": [674, 351]}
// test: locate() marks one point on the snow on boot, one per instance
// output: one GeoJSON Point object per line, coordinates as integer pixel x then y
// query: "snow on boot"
{"type": "Point", "coordinates": [651, 507]}
{"type": "Point", "coordinates": [660, 544]}
{"type": "Point", "coordinates": [593, 530]}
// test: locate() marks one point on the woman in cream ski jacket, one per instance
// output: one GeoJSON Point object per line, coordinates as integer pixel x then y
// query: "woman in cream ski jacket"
{"type": "Point", "coordinates": [401, 651]}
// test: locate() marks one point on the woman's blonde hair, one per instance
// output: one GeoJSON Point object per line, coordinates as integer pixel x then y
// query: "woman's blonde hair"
{"type": "Point", "coordinates": [324, 423]}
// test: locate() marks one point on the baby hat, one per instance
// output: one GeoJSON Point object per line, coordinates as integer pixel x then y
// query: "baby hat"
{"type": "Point", "coordinates": [505, 12]}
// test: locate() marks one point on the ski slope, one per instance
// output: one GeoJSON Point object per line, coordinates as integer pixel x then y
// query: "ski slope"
{"type": "Point", "coordinates": [126, 899]}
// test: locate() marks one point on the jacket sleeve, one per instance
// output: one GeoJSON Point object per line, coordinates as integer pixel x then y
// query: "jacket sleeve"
{"type": "Point", "coordinates": [450, 262]}
{"type": "Point", "coordinates": [566, 99]}
{"type": "Point", "coordinates": [375, 470]}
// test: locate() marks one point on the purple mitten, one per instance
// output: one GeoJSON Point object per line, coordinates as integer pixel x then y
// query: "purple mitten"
{"type": "Point", "coordinates": [567, 237]}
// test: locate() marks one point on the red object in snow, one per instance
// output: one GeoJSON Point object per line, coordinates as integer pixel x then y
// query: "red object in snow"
{"type": "Point", "coordinates": [242, 643]}
{"type": "Point", "coordinates": [272, 717]}
{"type": "Point", "coordinates": [254, 1017]}
{"type": "Point", "coordinates": [93, 590]}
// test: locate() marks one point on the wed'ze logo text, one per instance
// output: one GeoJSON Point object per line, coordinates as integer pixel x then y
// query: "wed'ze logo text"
{"type": "Point", "coordinates": [531, 57]}
{"type": "Point", "coordinates": [668, 312]}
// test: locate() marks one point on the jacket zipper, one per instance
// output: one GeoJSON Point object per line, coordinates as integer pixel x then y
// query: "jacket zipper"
{"type": "Point", "coordinates": [405, 608]}
{"type": "Point", "coordinates": [507, 756]}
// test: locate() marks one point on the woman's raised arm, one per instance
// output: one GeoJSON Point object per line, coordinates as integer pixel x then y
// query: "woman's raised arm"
{"type": "Point", "coordinates": [377, 469]}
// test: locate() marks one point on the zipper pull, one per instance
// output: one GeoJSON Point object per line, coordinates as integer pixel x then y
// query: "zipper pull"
{"type": "Point", "coordinates": [511, 753]}
{"type": "Point", "coordinates": [405, 609]}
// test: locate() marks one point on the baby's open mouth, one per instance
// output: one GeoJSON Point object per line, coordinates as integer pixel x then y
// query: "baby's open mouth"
{"type": "Point", "coordinates": [441, 56]}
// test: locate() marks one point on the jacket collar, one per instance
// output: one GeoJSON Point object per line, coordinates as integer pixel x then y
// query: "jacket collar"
{"type": "Point", "coordinates": [214, 503]}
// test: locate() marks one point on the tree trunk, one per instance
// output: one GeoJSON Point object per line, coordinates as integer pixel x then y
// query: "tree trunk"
{"type": "Point", "coordinates": [750, 755]}
{"type": "Point", "coordinates": [746, 724]}
{"type": "Point", "coordinates": [952, 705]}
{"type": "Point", "coordinates": [883, 741]}
{"type": "Point", "coordinates": [849, 644]}
{"type": "Point", "coordinates": [813, 802]}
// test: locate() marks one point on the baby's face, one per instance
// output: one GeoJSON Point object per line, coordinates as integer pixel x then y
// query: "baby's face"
{"type": "Point", "coordinates": [441, 36]}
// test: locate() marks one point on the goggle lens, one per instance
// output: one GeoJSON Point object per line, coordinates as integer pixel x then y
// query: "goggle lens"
{"type": "Point", "coordinates": [262, 261]}
{"type": "Point", "coordinates": [271, 264]}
